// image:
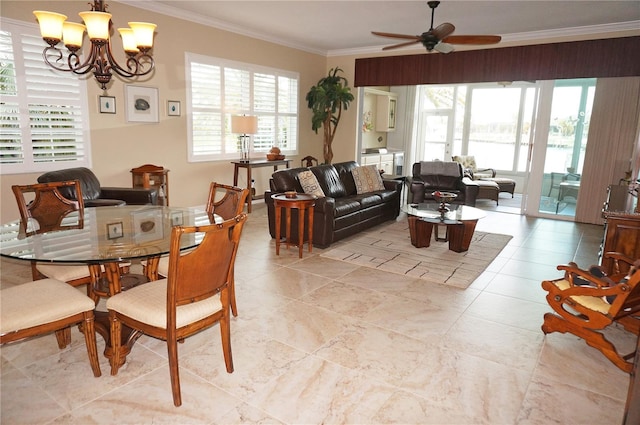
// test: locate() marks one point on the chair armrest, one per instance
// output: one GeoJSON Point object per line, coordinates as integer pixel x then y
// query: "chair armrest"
{"type": "Point", "coordinates": [131, 195]}
{"type": "Point", "coordinates": [491, 170]}
{"type": "Point", "coordinates": [471, 190]}
{"type": "Point", "coordinates": [392, 184]}
{"type": "Point", "coordinates": [416, 191]}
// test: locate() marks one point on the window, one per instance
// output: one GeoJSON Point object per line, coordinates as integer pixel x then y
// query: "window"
{"type": "Point", "coordinates": [43, 113]}
{"type": "Point", "coordinates": [219, 88]}
{"type": "Point", "coordinates": [490, 121]}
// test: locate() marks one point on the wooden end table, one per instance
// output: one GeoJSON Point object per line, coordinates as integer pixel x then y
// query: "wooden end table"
{"type": "Point", "coordinates": [302, 202]}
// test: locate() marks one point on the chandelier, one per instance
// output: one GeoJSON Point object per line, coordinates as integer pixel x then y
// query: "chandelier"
{"type": "Point", "coordinates": [137, 40]}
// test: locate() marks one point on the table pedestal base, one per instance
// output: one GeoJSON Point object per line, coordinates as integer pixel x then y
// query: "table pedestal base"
{"type": "Point", "coordinates": [459, 233]}
{"type": "Point", "coordinates": [106, 285]}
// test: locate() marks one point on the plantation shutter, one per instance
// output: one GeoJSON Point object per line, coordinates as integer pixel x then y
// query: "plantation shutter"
{"type": "Point", "coordinates": [45, 122]}
{"type": "Point", "coordinates": [219, 89]}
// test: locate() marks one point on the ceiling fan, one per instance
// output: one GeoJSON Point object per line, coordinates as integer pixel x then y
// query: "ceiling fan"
{"type": "Point", "coordinates": [439, 38]}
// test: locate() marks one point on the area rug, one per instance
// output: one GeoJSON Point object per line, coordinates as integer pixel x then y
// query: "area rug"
{"type": "Point", "coordinates": [388, 248]}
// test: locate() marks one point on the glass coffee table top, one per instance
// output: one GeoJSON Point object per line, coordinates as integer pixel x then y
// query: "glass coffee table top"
{"type": "Point", "coordinates": [429, 211]}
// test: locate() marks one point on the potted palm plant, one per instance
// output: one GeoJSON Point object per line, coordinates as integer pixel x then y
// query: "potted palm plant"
{"type": "Point", "coordinates": [327, 99]}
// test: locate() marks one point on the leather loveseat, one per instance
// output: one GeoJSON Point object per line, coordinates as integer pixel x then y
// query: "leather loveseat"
{"type": "Point", "coordinates": [342, 211]}
{"type": "Point", "coordinates": [95, 195]}
{"type": "Point", "coordinates": [430, 176]}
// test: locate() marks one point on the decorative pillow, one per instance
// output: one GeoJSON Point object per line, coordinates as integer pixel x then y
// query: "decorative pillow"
{"type": "Point", "coordinates": [468, 161]}
{"type": "Point", "coordinates": [367, 179]}
{"type": "Point", "coordinates": [310, 184]}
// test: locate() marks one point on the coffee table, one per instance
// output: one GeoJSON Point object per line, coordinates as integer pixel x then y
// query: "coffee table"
{"type": "Point", "coordinates": [460, 222]}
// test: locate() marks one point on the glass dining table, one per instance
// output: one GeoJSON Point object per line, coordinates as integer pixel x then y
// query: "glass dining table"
{"type": "Point", "coordinates": [104, 238]}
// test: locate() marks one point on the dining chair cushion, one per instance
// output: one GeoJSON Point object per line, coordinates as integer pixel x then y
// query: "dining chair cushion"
{"type": "Point", "coordinates": [593, 303]}
{"type": "Point", "coordinates": [69, 272]}
{"type": "Point", "coordinates": [63, 272]}
{"type": "Point", "coordinates": [148, 304]}
{"type": "Point", "coordinates": [39, 302]}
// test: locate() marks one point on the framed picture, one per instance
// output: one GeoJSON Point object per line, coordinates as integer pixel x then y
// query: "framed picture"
{"type": "Point", "coordinates": [115, 230]}
{"type": "Point", "coordinates": [173, 108]}
{"type": "Point", "coordinates": [107, 104]}
{"type": "Point", "coordinates": [141, 103]}
{"type": "Point", "coordinates": [177, 218]}
{"type": "Point", "coordinates": [147, 225]}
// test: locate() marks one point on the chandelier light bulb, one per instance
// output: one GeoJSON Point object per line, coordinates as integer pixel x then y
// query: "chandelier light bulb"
{"type": "Point", "coordinates": [128, 40]}
{"type": "Point", "coordinates": [143, 33]}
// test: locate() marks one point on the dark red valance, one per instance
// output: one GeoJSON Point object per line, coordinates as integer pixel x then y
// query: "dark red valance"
{"type": "Point", "coordinates": [614, 57]}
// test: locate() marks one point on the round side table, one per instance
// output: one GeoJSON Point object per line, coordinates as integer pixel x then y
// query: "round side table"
{"type": "Point", "coordinates": [302, 202]}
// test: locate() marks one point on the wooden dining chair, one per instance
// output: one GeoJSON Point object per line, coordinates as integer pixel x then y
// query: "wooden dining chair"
{"type": "Point", "coordinates": [43, 208]}
{"type": "Point", "coordinates": [226, 202]}
{"type": "Point", "coordinates": [44, 306]}
{"type": "Point", "coordinates": [194, 296]}
{"type": "Point", "coordinates": [585, 305]}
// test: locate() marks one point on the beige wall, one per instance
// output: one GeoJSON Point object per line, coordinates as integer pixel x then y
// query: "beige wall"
{"type": "Point", "coordinates": [118, 146]}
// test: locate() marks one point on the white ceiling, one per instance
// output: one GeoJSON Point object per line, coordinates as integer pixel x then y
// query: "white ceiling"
{"type": "Point", "coordinates": [344, 27]}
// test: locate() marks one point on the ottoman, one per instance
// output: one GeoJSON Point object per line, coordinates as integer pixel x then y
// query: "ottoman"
{"type": "Point", "coordinates": [505, 184]}
{"type": "Point", "coordinates": [488, 190]}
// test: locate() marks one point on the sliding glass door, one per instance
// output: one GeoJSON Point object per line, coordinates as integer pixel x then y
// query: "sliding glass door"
{"type": "Point", "coordinates": [566, 140]}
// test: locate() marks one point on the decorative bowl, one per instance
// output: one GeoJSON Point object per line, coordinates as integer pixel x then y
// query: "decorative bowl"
{"type": "Point", "coordinates": [291, 194]}
{"type": "Point", "coordinates": [444, 197]}
{"type": "Point", "coordinates": [274, 156]}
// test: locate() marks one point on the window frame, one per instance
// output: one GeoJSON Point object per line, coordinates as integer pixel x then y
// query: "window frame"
{"type": "Point", "coordinates": [257, 146]}
{"type": "Point", "coordinates": [18, 30]}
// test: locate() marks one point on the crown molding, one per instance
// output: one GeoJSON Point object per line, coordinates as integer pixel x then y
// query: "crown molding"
{"type": "Point", "coordinates": [526, 37]}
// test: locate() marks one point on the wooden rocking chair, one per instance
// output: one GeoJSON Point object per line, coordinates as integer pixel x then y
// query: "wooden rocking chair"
{"type": "Point", "coordinates": [583, 310]}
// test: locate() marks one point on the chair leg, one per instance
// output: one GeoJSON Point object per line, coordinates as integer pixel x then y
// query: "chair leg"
{"type": "Point", "coordinates": [90, 341]}
{"type": "Point", "coordinates": [116, 338]}
{"type": "Point", "coordinates": [232, 296]}
{"type": "Point", "coordinates": [225, 333]}
{"type": "Point", "coordinates": [174, 372]}
{"type": "Point", "coordinates": [553, 323]}
{"type": "Point", "coordinates": [64, 337]}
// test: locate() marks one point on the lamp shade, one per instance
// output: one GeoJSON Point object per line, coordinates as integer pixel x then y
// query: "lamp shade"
{"type": "Point", "coordinates": [143, 33]}
{"type": "Point", "coordinates": [244, 124]}
{"type": "Point", "coordinates": [128, 40]}
{"type": "Point", "coordinates": [50, 24]}
{"type": "Point", "coordinates": [72, 34]}
{"type": "Point", "coordinates": [97, 24]}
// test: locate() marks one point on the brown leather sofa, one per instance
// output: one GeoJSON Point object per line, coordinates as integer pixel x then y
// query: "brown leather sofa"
{"type": "Point", "coordinates": [342, 212]}
{"type": "Point", "coordinates": [430, 176]}
{"type": "Point", "coordinates": [95, 195]}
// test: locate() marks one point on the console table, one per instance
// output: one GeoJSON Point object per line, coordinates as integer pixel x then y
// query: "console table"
{"type": "Point", "coordinates": [255, 163]}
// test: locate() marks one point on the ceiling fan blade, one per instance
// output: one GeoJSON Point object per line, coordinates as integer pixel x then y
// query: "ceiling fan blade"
{"type": "Point", "coordinates": [473, 39]}
{"type": "Point", "coordinates": [388, 34]}
{"type": "Point", "coordinates": [443, 30]}
{"type": "Point", "coordinates": [395, 46]}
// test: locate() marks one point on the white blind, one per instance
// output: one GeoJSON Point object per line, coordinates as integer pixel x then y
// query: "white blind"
{"type": "Point", "coordinates": [44, 116]}
{"type": "Point", "coordinates": [219, 88]}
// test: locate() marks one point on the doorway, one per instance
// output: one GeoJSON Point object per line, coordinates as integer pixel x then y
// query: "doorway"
{"type": "Point", "coordinates": [565, 112]}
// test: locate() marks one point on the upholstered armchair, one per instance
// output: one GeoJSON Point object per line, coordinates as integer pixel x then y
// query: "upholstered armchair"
{"type": "Point", "coordinates": [95, 195]}
{"type": "Point", "coordinates": [469, 165]}
{"type": "Point", "coordinates": [430, 176]}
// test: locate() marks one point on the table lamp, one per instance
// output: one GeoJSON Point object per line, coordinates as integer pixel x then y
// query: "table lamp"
{"type": "Point", "coordinates": [244, 125]}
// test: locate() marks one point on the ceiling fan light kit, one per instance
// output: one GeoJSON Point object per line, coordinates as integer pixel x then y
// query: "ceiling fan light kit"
{"type": "Point", "coordinates": [439, 38]}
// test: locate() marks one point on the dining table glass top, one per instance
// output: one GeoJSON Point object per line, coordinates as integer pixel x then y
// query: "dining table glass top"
{"type": "Point", "coordinates": [110, 233]}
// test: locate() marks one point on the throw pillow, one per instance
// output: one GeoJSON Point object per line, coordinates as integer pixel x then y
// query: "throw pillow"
{"type": "Point", "coordinates": [367, 179]}
{"type": "Point", "coordinates": [310, 184]}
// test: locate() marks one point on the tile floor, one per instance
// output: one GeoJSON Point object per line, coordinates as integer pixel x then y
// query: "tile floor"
{"type": "Point", "coordinates": [322, 341]}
